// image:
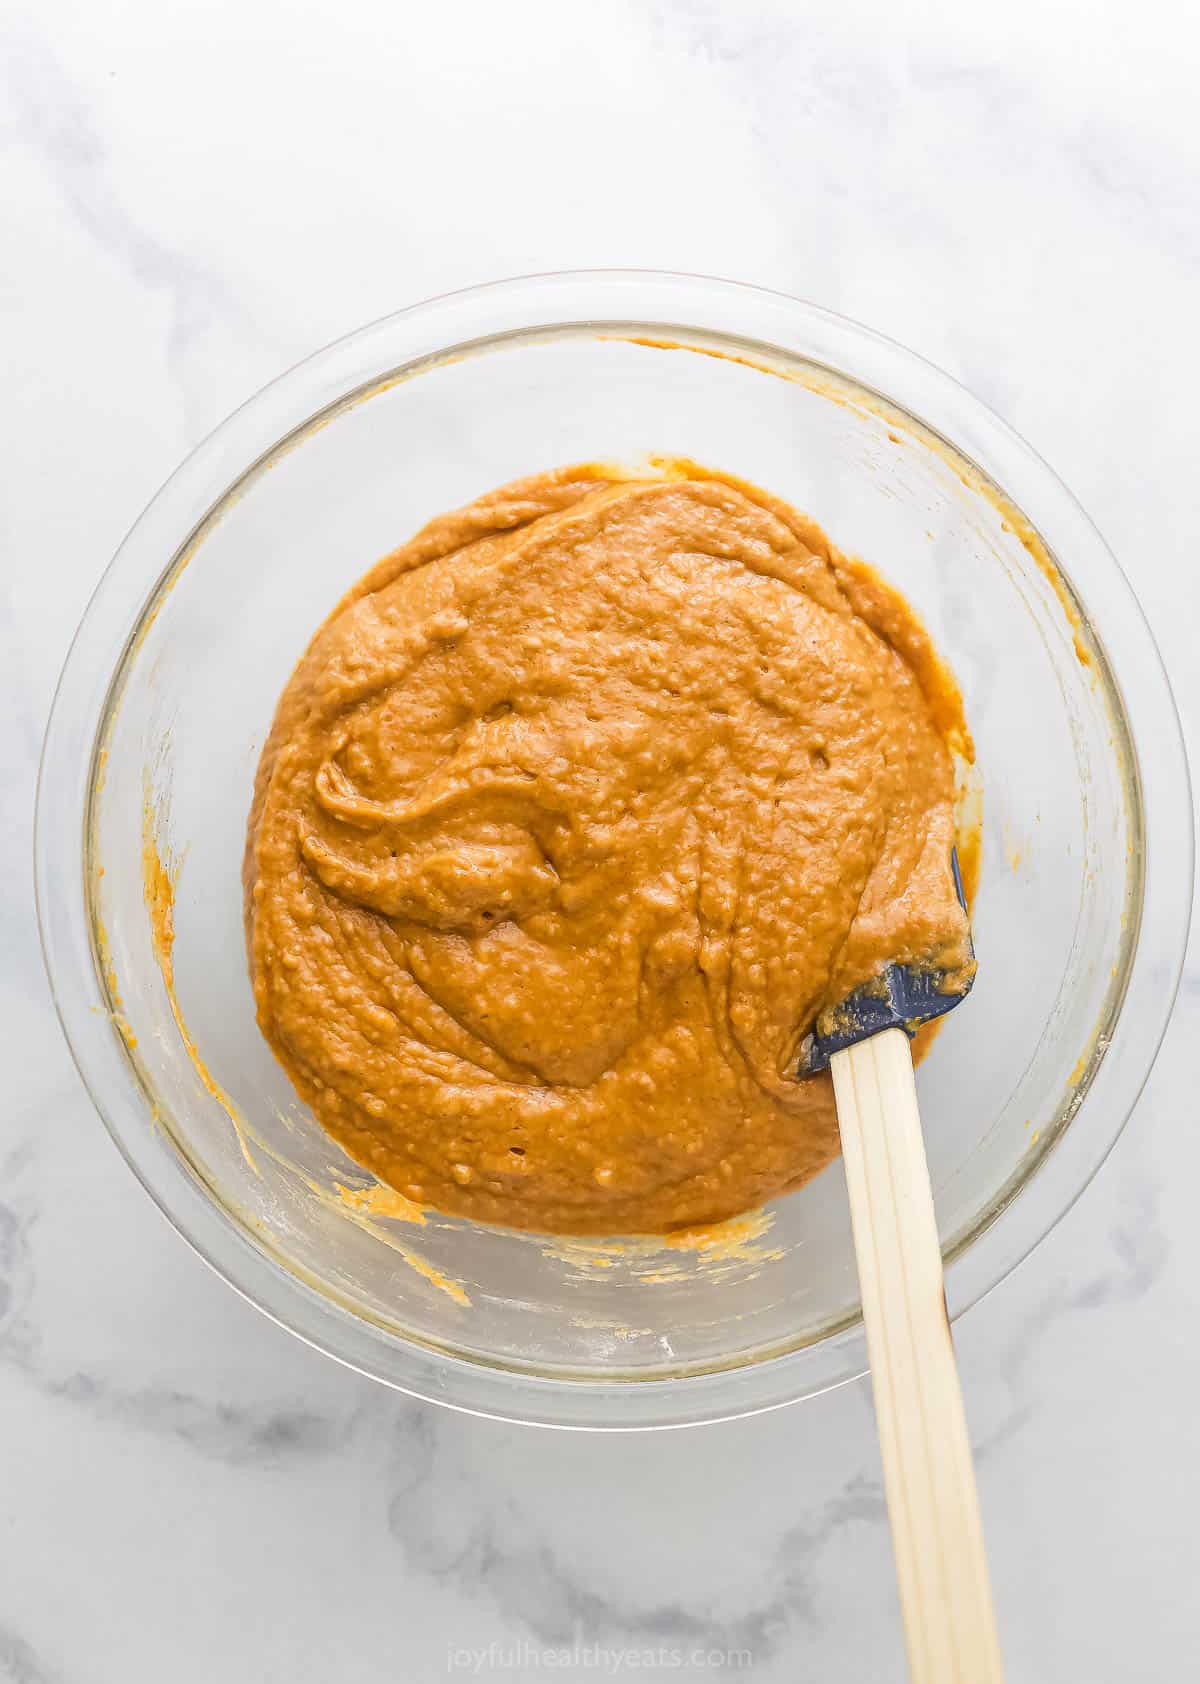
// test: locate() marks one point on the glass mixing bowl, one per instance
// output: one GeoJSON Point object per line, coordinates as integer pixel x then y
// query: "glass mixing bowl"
{"type": "Point", "coordinates": [171, 683]}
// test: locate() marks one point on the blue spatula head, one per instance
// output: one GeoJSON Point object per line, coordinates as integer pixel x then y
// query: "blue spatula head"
{"type": "Point", "coordinates": [901, 997]}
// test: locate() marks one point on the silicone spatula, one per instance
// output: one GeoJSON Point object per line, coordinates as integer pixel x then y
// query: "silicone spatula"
{"type": "Point", "coordinates": [929, 1477]}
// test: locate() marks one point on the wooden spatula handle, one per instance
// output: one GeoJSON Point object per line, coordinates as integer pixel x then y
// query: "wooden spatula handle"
{"type": "Point", "coordinates": [945, 1594]}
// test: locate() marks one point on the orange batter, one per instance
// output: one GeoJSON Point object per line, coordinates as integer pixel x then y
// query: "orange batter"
{"type": "Point", "coordinates": [577, 811]}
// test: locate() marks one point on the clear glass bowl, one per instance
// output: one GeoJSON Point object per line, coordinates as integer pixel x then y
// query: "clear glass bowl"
{"type": "Point", "coordinates": [170, 686]}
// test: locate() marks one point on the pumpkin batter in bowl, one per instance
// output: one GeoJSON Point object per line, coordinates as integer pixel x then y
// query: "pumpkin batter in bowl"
{"type": "Point", "coordinates": [577, 811]}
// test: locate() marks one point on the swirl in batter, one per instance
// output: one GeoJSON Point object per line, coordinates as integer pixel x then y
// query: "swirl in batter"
{"type": "Point", "coordinates": [576, 812]}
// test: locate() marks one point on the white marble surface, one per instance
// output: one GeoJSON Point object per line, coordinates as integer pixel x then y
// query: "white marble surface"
{"type": "Point", "coordinates": [193, 197]}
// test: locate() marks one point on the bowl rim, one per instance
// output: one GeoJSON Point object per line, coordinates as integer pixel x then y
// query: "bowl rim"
{"type": "Point", "coordinates": [410, 341]}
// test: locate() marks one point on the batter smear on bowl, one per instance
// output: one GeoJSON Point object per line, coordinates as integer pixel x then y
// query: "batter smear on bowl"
{"type": "Point", "coordinates": [576, 812]}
